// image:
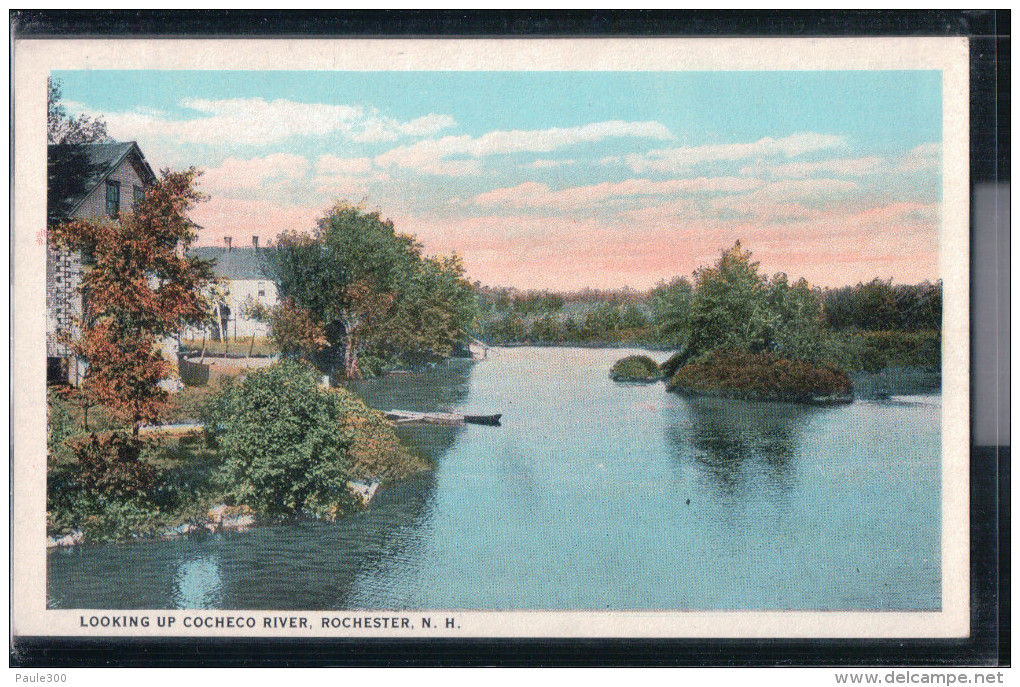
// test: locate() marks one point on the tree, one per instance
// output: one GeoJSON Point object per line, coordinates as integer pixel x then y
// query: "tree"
{"type": "Point", "coordinates": [290, 445]}
{"type": "Point", "coordinates": [369, 288]}
{"type": "Point", "coordinates": [139, 288]}
{"type": "Point", "coordinates": [671, 304]}
{"type": "Point", "coordinates": [728, 308]}
{"type": "Point", "coordinates": [65, 129]}
{"type": "Point", "coordinates": [797, 328]}
{"type": "Point", "coordinates": [291, 327]}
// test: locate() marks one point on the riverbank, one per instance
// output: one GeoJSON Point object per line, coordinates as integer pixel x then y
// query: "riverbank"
{"type": "Point", "coordinates": [189, 497]}
{"type": "Point", "coordinates": [277, 443]}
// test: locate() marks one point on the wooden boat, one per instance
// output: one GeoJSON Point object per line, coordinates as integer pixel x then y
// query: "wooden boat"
{"type": "Point", "coordinates": [403, 417]}
{"type": "Point", "coordinates": [492, 420]}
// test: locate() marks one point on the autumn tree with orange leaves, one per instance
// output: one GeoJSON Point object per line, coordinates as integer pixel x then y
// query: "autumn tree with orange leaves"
{"type": "Point", "coordinates": [139, 288]}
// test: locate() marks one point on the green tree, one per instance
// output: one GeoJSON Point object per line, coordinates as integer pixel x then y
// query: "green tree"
{"type": "Point", "coordinates": [670, 304]}
{"type": "Point", "coordinates": [729, 308]}
{"type": "Point", "coordinates": [797, 328]}
{"type": "Point", "coordinates": [368, 287]}
{"type": "Point", "coordinates": [65, 129]}
{"type": "Point", "coordinates": [874, 305]}
{"type": "Point", "coordinates": [288, 443]}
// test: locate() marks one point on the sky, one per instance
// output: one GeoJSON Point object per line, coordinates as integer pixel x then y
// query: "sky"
{"type": "Point", "coordinates": [561, 180]}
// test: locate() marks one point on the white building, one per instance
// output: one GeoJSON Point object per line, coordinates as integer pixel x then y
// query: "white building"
{"type": "Point", "coordinates": [246, 282]}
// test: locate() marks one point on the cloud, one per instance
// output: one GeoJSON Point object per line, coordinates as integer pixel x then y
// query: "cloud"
{"type": "Point", "coordinates": [243, 218]}
{"type": "Point", "coordinates": [256, 121]}
{"type": "Point", "coordinates": [682, 158]}
{"type": "Point", "coordinates": [549, 164]}
{"type": "Point", "coordinates": [255, 173]}
{"type": "Point", "coordinates": [355, 166]}
{"type": "Point", "coordinates": [858, 166]}
{"type": "Point", "coordinates": [927, 156]}
{"type": "Point", "coordinates": [536, 195]}
{"type": "Point", "coordinates": [832, 248]}
{"type": "Point", "coordinates": [433, 156]}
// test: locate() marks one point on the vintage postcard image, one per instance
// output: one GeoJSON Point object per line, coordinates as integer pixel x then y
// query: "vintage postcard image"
{"type": "Point", "coordinates": [468, 338]}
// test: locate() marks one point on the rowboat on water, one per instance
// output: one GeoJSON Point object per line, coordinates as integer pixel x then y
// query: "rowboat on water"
{"type": "Point", "coordinates": [402, 417]}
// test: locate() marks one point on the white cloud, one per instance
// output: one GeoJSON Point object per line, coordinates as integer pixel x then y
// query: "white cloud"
{"type": "Point", "coordinates": [549, 164]}
{"type": "Point", "coordinates": [927, 156]}
{"type": "Point", "coordinates": [841, 166]}
{"type": "Point", "coordinates": [433, 156]}
{"type": "Point", "coordinates": [684, 157]}
{"type": "Point", "coordinates": [258, 121]}
{"type": "Point", "coordinates": [535, 195]}
{"type": "Point", "coordinates": [357, 166]}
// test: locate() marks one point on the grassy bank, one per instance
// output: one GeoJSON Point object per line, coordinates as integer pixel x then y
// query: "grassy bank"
{"type": "Point", "coordinates": [295, 460]}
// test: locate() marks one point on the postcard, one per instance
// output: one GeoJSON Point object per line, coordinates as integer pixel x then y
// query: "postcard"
{"type": "Point", "coordinates": [403, 338]}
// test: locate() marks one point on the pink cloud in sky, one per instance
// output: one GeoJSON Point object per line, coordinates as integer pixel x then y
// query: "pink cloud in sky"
{"type": "Point", "coordinates": [844, 245]}
{"type": "Point", "coordinates": [241, 219]}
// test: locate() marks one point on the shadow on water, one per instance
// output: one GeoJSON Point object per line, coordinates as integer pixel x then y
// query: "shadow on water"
{"type": "Point", "coordinates": [737, 446]}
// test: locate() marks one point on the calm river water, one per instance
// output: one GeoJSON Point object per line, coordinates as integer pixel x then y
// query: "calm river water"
{"type": "Point", "coordinates": [592, 495]}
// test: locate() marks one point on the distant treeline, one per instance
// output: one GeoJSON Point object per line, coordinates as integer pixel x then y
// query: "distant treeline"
{"type": "Point", "coordinates": [870, 325]}
{"type": "Point", "coordinates": [627, 316]}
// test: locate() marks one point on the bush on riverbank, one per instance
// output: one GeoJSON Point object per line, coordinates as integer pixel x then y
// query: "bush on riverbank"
{"type": "Point", "coordinates": [735, 373]}
{"type": "Point", "coordinates": [290, 446]}
{"type": "Point", "coordinates": [181, 483]}
{"type": "Point", "coordinates": [635, 368]}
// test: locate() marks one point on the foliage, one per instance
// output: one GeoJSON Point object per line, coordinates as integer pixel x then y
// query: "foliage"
{"type": "Point", "coordinates": [670, 304]}
{"type": "Point", "coordinates": [881, 305]}
{"type": "Point", "coordinates": [369, 288]}
{"type": "Point", "coordinates": [139, 290]}
{"type": "Point", "coordinates": [181, 489]}
{"type": "Point", "coordinates": [290, 446]}
{"type": "Point", "coordinates": [292, 328]}
{"type": "Point", "coordinates": [65, 129]}
{"type": "Point", "coordinates": [60, 424]}
{"type": "Point", "coordinates": [871, 351]}
{"type": "Point", "coordinates": [739, 373]}
{"type": "Point", "coordinates": [108, 465]}
{"type": "Point", "coordinates": [635, 368]}
{"type": "Point", "coordinates": [728, 308]}
{"type": "Point", "coordinates": [796, 328]}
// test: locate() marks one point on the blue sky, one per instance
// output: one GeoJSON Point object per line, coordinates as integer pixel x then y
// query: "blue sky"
{"type": "Point", "coordinates": [561, 180]}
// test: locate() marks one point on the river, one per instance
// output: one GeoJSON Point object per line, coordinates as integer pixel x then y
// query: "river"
{"type": "Point", "coordinates": [591, 495]}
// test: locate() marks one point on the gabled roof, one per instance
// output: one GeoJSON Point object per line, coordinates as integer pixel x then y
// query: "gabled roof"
{"type": "Point", "coordinates": [74, 170]}
{"type": "Point", "coordinates": [236, 263]}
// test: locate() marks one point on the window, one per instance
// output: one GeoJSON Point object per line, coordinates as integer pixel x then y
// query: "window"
{"type": "Point", "coordinates": [262, 289]}
{"type": "Point", "coordinates": [113, 198]}
{"type": "Point", "coordinates": [139, 196]}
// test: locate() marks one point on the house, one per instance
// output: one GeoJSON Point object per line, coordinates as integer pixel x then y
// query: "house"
{"type": "Point", "coordinates": [245, 282]}
{"type": "Point", "coordinates": [87, 181]}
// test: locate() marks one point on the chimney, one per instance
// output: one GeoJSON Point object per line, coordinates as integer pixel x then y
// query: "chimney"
{"type": "Point", "coordinates": [255, 242]}
{"type": "Point", "coordinates": [226, 241]}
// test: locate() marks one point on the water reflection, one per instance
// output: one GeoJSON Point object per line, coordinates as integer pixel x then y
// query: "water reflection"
{"type": "Point", "coordinates": [735, 446]}
{"type": "Point", "coordinates": [197, 583]}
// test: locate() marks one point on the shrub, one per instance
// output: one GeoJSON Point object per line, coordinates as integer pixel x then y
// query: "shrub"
{"type": "Point", "coordinates": [108, 492]}
{"type": "Point", "coordinates": [736, 373]}
{"type": "Point", "coordinates": [109, 465]}
{"type": "Point", "coordinates": [635, 368]}
{"type": "Point", "coordinates": [290, 445]}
